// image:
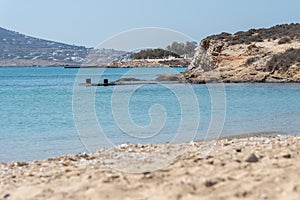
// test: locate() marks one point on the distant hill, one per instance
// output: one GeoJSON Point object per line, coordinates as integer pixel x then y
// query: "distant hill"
{"type": "Point", "coordinates": [17, 49]}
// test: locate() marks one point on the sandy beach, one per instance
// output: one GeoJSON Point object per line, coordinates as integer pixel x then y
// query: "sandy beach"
{"type": "Point", "coordinates": [244, 168]}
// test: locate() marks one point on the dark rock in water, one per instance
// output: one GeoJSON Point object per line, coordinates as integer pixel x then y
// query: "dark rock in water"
{"type": "Point", "coordinates": [168, 77]}
{"type": "Point", "coordinates": [252, 158]}
{"type": "Point", "coordinates": [128, 79]}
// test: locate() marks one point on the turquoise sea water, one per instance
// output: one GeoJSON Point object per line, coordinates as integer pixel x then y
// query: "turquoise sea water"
{"type": "Point", "coordinates": [36, 114]}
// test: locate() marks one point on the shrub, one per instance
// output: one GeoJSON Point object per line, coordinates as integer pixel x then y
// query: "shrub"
{"type": "Point", "coordinates": [251, 60]}
{"type": "Point", "coordinates": [153, 54]}
{"type": "Point", "coordinates": [181, 49]}
{"type": "Point", "coordinates": [291, 31]}
{"type": "Point", "coordinates": [284, 60]}
{"type": "Point", "coordinates": [284, 40]}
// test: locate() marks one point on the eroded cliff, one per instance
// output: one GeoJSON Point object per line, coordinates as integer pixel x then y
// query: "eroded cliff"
{"type": "Point", "coordinates": [258, 55]}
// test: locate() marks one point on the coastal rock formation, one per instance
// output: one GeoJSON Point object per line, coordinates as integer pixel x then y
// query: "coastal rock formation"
{"type": "Point", "coordinates": [169, 77]}
{"type": "Point", "coordinates": [258, 55]}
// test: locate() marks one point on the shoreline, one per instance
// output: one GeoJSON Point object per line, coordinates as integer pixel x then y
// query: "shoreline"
{"type": "Point", "coordinates": [89, 67]}
{"type": "Point", "coordinates": [253, 167]}
{"type": "Point", "coordinates": [137, 63]}
{"type": "Point", "coordinates": [238, 136]}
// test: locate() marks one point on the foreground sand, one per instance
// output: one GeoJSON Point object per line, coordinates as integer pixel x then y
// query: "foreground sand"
{"type": "Point", "coordinates": [247, 168]}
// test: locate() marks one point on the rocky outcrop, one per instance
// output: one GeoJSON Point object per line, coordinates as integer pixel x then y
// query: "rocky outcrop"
{"type": "Point", "coordinates": [262, 55]}
{"type": "Point", "coordinates": [170, 77]}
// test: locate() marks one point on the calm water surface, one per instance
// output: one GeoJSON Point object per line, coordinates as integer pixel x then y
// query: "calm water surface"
{"type": "Point", "coordinates": [36, 117]}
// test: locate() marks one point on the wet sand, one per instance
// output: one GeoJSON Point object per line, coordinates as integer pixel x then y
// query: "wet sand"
{"type": "Point", "coordinates": [236, 168]}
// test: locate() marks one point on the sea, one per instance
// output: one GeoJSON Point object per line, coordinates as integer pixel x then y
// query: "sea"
{"type": "Point", "coordinates": [45, 112]}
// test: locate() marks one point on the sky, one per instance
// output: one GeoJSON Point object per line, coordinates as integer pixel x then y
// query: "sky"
{"type": "Point", "coordinates": [90, 22]}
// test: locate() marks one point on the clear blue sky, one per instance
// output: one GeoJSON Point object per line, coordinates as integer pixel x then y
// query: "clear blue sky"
{"type": "Point", "coordinates": [89, 22]}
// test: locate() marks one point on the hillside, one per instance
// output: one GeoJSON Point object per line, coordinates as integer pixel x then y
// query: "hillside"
{"type": "Point", "coordinates": [257, 55]}
{"type": "Point", "coordinates": [20, 50]}
{"type": "Point", "coordinates": [17, 49]}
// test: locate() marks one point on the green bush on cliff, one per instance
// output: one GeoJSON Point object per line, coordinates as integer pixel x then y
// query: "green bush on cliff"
{"type": "Point", "coordinates": [251, 60]}
{"type": "Point", "coordinates": [291, 31]}
{"type": "Point", "coordinates": [284, 60]}
{"type": "Point", "coordinates": [284, 40]}
{"type": "Point", "coordinates": [153, 54]}
{"type": "Point", "coordinates": [182, 49]}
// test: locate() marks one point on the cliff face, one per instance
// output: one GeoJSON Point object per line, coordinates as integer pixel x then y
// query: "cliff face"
{"type": "Point", "coordinates": [258, 55]}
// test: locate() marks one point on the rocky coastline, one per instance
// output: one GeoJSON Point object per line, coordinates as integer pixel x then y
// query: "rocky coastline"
{"type": "Point", "coordinates": [150, 63]}
{"type": "Point", "coordinates": [258, 55]}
